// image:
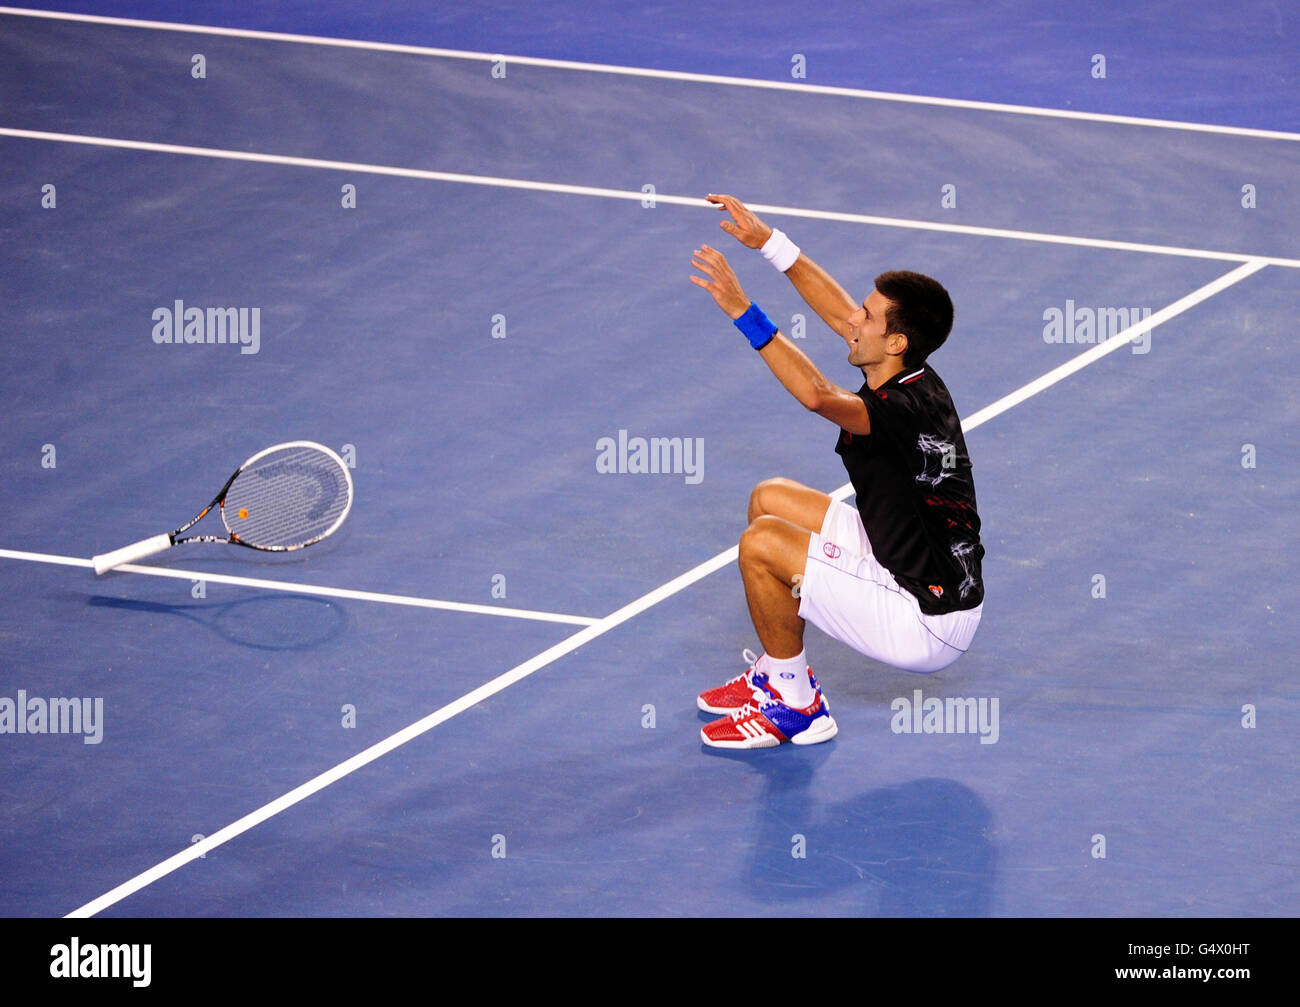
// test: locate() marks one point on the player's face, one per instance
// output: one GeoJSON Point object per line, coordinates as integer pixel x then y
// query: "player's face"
{"type": "Point", "coordinates": [868, 344]}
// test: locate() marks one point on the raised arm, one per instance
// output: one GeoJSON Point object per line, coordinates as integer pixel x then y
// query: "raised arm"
{"type": "Point", "coordinates": [791, 365]}
{"type": "Point", "coordinates": [816, 286]}
{"type": "Point", "coordinates": [814, 391]}
{"type": "Point", "coordinates": [826, 297]}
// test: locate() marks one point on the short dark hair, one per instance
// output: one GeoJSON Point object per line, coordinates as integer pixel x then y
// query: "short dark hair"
{"type": "Point", "coordinates": [921, 310]}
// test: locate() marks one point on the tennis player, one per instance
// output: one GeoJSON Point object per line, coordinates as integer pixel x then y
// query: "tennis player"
{"type": "Point", "coordinates": [897, 577]}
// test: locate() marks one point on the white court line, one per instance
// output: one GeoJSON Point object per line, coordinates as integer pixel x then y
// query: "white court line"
{"type": "Point", "coordinates": [625, 613]}
{"type": "Point", "coordinates": [678, 75]}
{"type": "Point", "coordinates": [637, 194]}
{"type": "Point", "coordinates": [324, 592]}
{"type": "Point", "coordinates": [1117, 341]}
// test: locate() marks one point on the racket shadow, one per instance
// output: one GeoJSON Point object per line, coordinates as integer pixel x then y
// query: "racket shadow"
{"type": "Point", "coordinates": [270, 621]}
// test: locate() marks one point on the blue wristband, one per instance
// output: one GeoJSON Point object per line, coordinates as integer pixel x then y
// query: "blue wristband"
{"type": "Point", "coordinates": [756, 326]}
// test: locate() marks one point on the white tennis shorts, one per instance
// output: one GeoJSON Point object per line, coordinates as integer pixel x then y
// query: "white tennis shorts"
{"type": "Point", "coordinates": [847, 594]}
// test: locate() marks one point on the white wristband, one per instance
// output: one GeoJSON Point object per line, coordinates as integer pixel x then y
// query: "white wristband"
{"type": "Point", "coordinates": [780, 250]}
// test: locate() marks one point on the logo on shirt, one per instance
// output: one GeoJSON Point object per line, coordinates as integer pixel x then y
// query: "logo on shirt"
{"type": "Point", "coordinates": [939, 459]}
{"type": "Point", "coordinates": [936, 590]}
{"type": "Point", "coordinates": [960, 551]}
{"type": "Point", "coordinates": [831, 550]}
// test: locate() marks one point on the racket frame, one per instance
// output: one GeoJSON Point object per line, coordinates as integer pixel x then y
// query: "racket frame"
{"type": "Point", "coordinates": [219, 501]}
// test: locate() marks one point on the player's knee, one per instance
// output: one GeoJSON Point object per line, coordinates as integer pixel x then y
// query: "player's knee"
{"type": "Point", "coordinates": [766, 496]}
{"type": "Point", "coordinates": [757, 540]}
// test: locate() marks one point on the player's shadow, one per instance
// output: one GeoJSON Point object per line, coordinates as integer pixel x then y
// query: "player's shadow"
{"type": "Point", "coordinates": [269, 621]}
{"type": "Point", "coordinates": [919, 848]}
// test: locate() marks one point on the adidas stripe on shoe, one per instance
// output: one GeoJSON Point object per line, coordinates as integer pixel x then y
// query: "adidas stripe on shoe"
{"type": "Point", "coordinates": [765, 722]}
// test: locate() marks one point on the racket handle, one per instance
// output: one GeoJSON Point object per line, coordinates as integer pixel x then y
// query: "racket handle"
{"type": "Point", "coordinates": [131, 553]}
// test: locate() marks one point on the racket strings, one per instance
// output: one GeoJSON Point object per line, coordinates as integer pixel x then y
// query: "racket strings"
{"type": "Point", "coordinates": [287, 499]}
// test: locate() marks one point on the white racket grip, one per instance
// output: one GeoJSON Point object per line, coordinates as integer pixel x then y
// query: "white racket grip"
{"type": "Point", "coordinates": [131, 553]}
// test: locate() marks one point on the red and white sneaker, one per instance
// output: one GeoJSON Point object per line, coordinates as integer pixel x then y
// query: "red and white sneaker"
{"type": "Point", "coordinates": [765, 722]}
{"type": "Point", "coordinates": [734, 694]}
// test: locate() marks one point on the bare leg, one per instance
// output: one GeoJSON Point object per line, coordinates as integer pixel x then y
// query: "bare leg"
{"type": "Point", "coordinates": [773, 553]}
{"type": "Point", "coordinates": [800, 505]}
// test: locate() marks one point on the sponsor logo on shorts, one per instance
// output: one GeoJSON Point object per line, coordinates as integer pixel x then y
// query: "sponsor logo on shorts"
{"type": "Point", "coordinates": [831, 550]}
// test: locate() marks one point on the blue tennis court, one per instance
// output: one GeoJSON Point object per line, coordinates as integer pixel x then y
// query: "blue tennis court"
{"type": "Point", "coordinates": [465, 236]}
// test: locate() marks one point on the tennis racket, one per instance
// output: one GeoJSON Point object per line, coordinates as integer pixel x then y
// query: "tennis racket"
{"type": "Point", "coordinates": [284, 498]}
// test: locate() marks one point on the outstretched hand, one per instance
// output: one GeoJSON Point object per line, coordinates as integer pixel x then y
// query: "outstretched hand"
{"type": "Point", "coordinates": [721, 282]}
{"type": "Point", "coordinates": [744, 225]}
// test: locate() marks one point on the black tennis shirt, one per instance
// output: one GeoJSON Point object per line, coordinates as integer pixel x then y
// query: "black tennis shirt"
{"type": "Point", "coordinates": [915, 493]}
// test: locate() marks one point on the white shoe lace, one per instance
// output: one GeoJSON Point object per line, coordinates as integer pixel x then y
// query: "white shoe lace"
{"type": "Point", "coordinates": [757, 700]}
{"type": "Point", "coordinates": [751, 659]}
